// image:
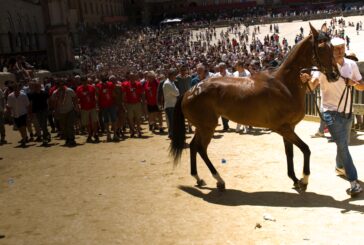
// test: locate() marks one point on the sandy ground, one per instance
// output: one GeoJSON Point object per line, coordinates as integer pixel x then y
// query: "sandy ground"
{"type": "Point", "coordinates": [129, 193]}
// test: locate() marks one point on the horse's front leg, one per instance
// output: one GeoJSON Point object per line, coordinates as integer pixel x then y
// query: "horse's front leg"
{"type": "Point", "coordinates": [290, 138]}
{"type": "Point", "coordinates": [290, 167]}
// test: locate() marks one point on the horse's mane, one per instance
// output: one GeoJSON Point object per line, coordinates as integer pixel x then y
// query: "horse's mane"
{"type": "Point", "coordinates": [295, 49]}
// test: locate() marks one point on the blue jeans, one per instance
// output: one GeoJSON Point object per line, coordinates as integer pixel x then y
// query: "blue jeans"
{"type": "Point", "coordinates": [339, 128]}
{"type": "Point", "coordinates": [322, 125]}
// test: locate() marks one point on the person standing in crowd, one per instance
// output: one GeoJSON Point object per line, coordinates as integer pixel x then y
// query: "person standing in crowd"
{"type": "Point", "coordinates": [338, 118]}
{"type": "Point", "coordinates": [171, 93]}
{"type": "Point", "coordinates": [202, 74]}
{"type": "Point", "coordinates": [39, 106]}
{"type": "Point", "coordinates": [105, 93]}
{"type": "Point", "coordinates": [133, 96]}
{"type": "Point", "coordinates": [86, 94]}
{"type": "Point", "coordinates": [183, 84]}
{"type": "Point", "coordinates": [241, 72]}
{"type": "Point", "coordinates": [150, 88]}
{"type": "Point", "coordinates": [120, 109]}
{"type": "Point", "coordinates": [183, 80]}
{"type": "Point", "coordinates": [19, 107]}
{"type": "Point", "coordinates": [28, 88]}
{"type": "Point", "coordinates": [315, 75]}
{"type": "Point", "coordinates": [2, 117]}
{"type": "Point", "coordinates": [65, 104]}
{"type": "Point", "coordinates": [223, 72]}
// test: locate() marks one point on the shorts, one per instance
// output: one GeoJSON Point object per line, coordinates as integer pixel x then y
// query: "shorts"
{"type": "Point", "coordinates": [153, 108]}
{"type": "Point", "coordinates": [134, 111]}
{"type": "Point", "coordinates": [20, 121]}
{"type": "Point", "coordinates": [88, 116]}
{"type": "Point", "coordinates": [109, 114]}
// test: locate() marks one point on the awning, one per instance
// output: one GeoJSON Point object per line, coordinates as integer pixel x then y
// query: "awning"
{"type": "Point", "coordinates": [167, 21]}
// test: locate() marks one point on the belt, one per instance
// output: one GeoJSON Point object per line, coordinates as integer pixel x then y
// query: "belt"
{"type": "Point", "coordinates": [346, 115]}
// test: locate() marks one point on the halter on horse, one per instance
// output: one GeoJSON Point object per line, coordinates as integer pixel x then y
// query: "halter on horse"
{"type": "Point", "coordinates": [268, 99]}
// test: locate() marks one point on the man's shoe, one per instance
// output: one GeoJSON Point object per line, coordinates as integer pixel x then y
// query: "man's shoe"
{"type": "Point", "coordinates": [340, 171]}
{"type": "Point", "coordinates": [72, 143]}
{"type": "Point", "coordinates": [97, 140]}
{"type": "Point", "coordinates": [318, 135]}
{"type": "Point", "coordinates": [23, 143]}
{"type": "Point", "coordinates": [354, 191]}
{"type": "Point", "coordinates": [89, 140]}
{"type": "Point", "coordinates": [116, 138]}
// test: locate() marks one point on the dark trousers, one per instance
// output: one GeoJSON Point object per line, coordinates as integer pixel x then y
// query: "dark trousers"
{"type": "Point", "coordinates": [169, 114]}
{"type": "Point", "coordinates": [67, 123]}
{"type": "Point", "coordinates": [2, 127]}
{"type": "Point", "coordinates": [51, 121]}
{"type": "Point", "coordinates": [225, 123]}
{"type": "Point", "coordinates": [42, 117]}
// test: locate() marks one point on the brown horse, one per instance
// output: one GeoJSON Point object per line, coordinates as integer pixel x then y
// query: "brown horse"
{"type": "Point", "coordinates": [268, 99]}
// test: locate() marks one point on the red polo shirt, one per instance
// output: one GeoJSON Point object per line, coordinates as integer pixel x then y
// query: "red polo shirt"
{"type": "Point", "coordinates": [133, 92]}
{"type": "Point", "coordinates": [150, 88]}
{"type": "Point", "coordinates": [105, 91]}
{"type": "Point", "coordinates": [86, 97]}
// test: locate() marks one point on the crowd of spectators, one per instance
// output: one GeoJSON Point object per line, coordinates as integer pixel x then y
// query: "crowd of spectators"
{"type": "Point", "coordinates": [134, 77]}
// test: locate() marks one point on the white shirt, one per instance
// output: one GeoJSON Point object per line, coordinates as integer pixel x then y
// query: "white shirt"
{"type": "Point", "coordinates": [245, 73]}
{"type": "Point", "coordinates": [170, 92]}
{"type": "Point", "coordinates": [19, 105]}
{"type": "Point", "coordinates": [332, 91]}
{"type": "Point", "coordinates": [218, 74]}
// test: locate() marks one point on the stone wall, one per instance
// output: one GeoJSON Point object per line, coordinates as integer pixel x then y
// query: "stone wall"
{"type": "Point", "coordinates": [21, 27]}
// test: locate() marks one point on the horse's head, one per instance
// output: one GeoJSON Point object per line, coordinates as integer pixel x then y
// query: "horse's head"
{"type": "Point", "coordinates": [323, 56]}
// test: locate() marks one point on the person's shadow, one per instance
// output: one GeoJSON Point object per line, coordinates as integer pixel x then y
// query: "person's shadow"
{"type": "Point", "coordinates": [231, 197]}
{"type": "Point", "coordinates": [354, 140]}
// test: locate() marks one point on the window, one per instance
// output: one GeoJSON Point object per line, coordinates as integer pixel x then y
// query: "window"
{"type": "Point", "coordinates": [91, 8]}
{"type": "Point", "coordinates": [85, 7]}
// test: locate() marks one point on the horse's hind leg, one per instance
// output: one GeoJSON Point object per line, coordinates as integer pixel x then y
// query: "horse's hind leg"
{"type": "Point", "coordinates": [204, 138]}
{"type": "Point", "coordinates": [193, 153]}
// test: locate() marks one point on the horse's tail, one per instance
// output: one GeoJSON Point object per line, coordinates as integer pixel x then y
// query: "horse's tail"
{"type": "Point", "coordinates": [178, 132]}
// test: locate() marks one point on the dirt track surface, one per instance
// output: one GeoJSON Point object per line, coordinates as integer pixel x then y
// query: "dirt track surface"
{"type": "Point", "coordinates": [129, 193]}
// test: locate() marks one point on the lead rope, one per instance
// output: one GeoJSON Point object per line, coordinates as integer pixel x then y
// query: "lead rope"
{"type": "Point", "coordinates": [346, 91]}
{"type": "Point", "coordinates": [315, 100]}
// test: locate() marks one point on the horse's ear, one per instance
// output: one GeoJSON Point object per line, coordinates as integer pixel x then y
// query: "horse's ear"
{"type": "Point", "coordinates": [313, 31]}
{"type": "Point", "coordinates": [324, 27]}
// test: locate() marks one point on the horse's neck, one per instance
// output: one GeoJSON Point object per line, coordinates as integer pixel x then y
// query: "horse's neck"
{"type": "Point", "coordinates": [300, 57]}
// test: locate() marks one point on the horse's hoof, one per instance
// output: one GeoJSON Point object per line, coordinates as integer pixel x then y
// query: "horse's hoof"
{"type": "Point", "coordinates": [201, 183]}
{"type": "Point", "coordinates": [220, 186]}
{"type": "Point", "coordinates": [300, 186]}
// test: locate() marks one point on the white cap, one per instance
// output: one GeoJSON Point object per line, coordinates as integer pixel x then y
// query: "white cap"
{"type": "Point", "coordinates": [336, 41]}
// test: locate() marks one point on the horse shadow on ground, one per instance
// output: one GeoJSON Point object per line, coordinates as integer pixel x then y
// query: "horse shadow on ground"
{"type": "Point", "coordinates": [217, 136]}
{"type": "Point", "coordinates": [258, 132]}
{"type": "Point", "coordinates": [231, 197]}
